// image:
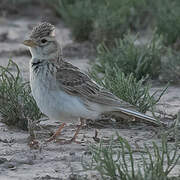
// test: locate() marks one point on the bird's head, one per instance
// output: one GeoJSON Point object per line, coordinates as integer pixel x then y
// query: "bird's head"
{"type": "Point", "coordinates": [42, 42]}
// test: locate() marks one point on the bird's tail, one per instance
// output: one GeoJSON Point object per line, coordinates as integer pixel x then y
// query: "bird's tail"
{"type": "Point", "coordinates": [138, 115]}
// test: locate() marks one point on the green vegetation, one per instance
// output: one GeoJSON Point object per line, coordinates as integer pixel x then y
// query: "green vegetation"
{"type": "Point", "coordinates": [77, 14]}
{"type": "Point", "coordinates": [10, 4]}
{"type": "Point", "coordinates": [170, 71]}
{"type": "Point", "coordinates": [119, 160]}
{"type": "Point", "coordinates": [17, 105]}
{"type": "Point", "coordinates": [124, 68]}
{"type": "Point", "coordinates": [114, 18]}
{"type": "Point", "coordinates": [101, 20]}
{"type": "Point", "coordinates": [167, 17]}
{"type": "Point", "coordinates": [141, 60]}
{"type": "Point", "coordinates": [128, 88]}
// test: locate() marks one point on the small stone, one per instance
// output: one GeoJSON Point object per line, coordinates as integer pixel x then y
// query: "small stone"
{"type": "Point", "coordinates": [73, 177]}
{"type": "Point", "coordinates": [2, 160]}
{"type": "Point", "coordinates": [11, 166]}
{"type": "Point", "coordinates": [72, 153]}
{"type": "Point", "coordinates": [5, 141]}
{"type": "Point", "coordinates": [3, 36]}
{"type": "Point", "coordinates": [87, 153]}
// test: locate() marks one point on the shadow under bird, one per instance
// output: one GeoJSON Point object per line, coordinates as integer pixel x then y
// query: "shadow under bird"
{"type": "Point", "coordinates": [62, 91]}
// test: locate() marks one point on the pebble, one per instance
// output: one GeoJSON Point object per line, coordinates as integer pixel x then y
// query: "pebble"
{"type": "Point", "coordinates": [72, 153]}
{"type": "Point", "coordinates": [2, 160]}
{"type": "Point", "coordinates": [9, 165]}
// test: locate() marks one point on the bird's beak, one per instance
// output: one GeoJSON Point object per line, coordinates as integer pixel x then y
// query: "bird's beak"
{"type": "Point", "coordinates": [29, 43]}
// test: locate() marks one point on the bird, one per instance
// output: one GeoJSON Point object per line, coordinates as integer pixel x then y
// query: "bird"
{"type": "Point", "coordinates": [62, 91]}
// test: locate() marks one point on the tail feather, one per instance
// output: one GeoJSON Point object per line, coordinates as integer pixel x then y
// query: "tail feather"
{"type": "Point", "coordinates": [141, 116]}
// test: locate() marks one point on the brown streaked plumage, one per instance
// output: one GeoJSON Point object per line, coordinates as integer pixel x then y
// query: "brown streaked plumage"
{"type": "Point", "coordinates": [76, 83]}
{"type": "Point", "coordinates": [41, 30]}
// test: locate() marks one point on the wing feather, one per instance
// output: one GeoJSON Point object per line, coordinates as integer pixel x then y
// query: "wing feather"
{"type": "Point", "coordinates": [76, 83]}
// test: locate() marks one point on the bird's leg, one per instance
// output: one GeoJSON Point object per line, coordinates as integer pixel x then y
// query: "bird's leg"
{"type": "Point", "coordinates": [56, 133]}
{"type": "Point", "coordinates": [73, 139]}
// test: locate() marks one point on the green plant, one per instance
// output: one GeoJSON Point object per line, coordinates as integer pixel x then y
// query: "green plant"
{"type": "Point", "coordinates": [124, 69]}
{"type": "Point", "coordinates": [17, 105]}
{"type": "Point", "coordinates": [101, 20]}
{"type": "Point", "coordinates": [114, 18]}
{"type": "Point", "coordinates": [141, 60]}
{"type": "Point", "coordinates": [15, 3]}
{"type": "Point", "coordinates": [18, 1]}
{"type": "Point", "coordinates": [118, 160]}
{"type": "Point", "coordinates": [77, 14]}
{"type": "Point", "coordinates": [167, 19]}
{"type": "Point", "coordinates": [128, 88]}
{"type": "Point", "coordinates": [170, 71]}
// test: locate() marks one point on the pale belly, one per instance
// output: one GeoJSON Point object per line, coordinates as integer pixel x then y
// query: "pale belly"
{"type": "Point", "coordinates": [57, 104]}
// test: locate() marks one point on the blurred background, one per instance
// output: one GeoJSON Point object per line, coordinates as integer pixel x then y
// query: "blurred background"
{"type": "Point", "coordinates": [124, 45]}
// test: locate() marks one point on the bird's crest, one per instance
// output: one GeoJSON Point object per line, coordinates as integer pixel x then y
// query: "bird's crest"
{"type": "Point", "coordinates": [43, 29]}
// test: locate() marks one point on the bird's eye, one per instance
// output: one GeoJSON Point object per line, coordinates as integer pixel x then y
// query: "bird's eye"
{"type": "Point", "coordinates": [43, 41]}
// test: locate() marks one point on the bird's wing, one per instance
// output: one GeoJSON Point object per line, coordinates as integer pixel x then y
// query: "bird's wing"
{"type": "Point", "coordinates": [76, 83]}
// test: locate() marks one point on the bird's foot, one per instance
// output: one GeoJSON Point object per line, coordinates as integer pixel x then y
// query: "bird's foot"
{"type": "Point", "coordinates": [53, 137]}
{"type": "Point", "coordinates": [63, 141]}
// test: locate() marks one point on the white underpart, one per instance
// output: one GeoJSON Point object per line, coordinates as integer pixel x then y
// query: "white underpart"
{"type": "Point", "coordinates": [54, 102]}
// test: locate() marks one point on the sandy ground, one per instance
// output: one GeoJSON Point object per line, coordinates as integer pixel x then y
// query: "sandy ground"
{"type": "Point", "coordinates": [53, 160]}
